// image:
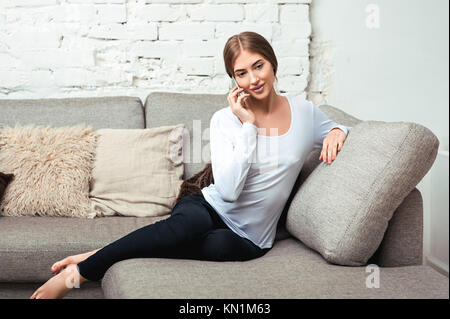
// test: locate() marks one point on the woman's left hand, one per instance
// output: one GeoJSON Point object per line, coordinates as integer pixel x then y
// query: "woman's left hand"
{"type": "Point", "coordinates": [332, 144]}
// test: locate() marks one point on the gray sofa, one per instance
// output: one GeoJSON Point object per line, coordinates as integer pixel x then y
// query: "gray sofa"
{"type": "Point", "coordinates": [30, 245]}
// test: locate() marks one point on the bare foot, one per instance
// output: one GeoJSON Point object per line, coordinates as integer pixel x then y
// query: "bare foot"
{"type": "Point", "coordinates": [59, 285]}
{"type": "Point", "coordinates": [75, 259]}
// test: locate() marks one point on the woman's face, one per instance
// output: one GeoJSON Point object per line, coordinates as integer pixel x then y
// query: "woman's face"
{"type": "Point", "coordinates": [251, 70]}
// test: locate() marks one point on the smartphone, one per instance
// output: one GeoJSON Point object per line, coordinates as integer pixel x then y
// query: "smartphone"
{"type": "Point", "coordinates": [234, 83]}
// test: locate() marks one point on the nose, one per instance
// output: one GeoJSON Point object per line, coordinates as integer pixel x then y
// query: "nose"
{"type": "Point", "coordinates": [253, 79]}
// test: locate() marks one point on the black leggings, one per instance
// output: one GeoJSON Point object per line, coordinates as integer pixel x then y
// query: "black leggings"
{"type": "Point", "coordinates": [193, 231]}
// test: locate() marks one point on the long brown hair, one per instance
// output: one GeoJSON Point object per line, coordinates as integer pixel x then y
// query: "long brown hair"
{"type": "Point", "coordinates": [250, 41]}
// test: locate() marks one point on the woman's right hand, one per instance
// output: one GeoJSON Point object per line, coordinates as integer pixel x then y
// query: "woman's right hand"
{"type": "Point", "coordinates": [243, 113]}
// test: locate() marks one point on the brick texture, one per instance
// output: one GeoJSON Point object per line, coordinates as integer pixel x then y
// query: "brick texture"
{"type": "Point", "coordinates": [64, 48]}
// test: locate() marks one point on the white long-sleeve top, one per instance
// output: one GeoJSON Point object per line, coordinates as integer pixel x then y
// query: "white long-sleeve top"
{"type": "Point", "coordinates": [254, 174]}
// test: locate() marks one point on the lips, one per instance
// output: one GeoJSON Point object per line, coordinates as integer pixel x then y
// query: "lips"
{"type": "Point", "coordinates": [258, 89]}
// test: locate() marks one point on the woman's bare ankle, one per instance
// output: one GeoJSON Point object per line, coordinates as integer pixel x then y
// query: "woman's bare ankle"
{"type": "Point", "coordinates": [74, 279]}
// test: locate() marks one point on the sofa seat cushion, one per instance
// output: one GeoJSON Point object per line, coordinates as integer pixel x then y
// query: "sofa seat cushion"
{"type": "Point", "coordinates": [14, 290]}
{"type": "Point", "coordinates": [30, 245]}
{"type": "Point", "coordinates": [288, 270]}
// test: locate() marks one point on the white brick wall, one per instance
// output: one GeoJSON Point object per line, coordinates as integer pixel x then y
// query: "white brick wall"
{"type": "Point", "coordinates": [63, 48]}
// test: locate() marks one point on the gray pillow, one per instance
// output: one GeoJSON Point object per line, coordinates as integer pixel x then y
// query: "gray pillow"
{"type": "Point", "coordinates": [342, 210]}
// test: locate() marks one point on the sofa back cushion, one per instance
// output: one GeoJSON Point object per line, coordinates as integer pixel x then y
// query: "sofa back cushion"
{"type": "Point", "coordinates": [342, 210]}
{"type": "Point", "coordinates": [98, 112]}
{"type": "Point", "coordinates": [195, 111]}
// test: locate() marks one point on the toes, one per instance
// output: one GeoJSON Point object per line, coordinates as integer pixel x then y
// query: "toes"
{"type": "Point", "coordinates": [61, 264]}
{"type": "Point", "coordinates": [34, 295]}
{"type": "Point", "coordinates": [56, 265]}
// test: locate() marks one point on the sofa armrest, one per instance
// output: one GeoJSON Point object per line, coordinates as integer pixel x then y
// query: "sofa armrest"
{"type": "Point", "coordinates": [402, 244]}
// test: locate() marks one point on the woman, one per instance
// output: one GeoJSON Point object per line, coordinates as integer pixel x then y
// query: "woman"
{"type": "Point", "coordinates": [235, 218]}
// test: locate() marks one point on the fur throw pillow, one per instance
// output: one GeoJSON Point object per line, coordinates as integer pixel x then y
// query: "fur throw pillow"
{"type": "Point", "coordinates": [195, 184]}
{"type": "Point", "coordinates": [5, 179]}
{"type": "Point", "coordinates": [51, 167]}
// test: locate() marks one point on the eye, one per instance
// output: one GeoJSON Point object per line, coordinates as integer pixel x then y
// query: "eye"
{"type": "Point", "coordinates": [259, 66]}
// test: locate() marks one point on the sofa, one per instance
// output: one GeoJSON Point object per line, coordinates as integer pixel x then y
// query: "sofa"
{"type": "Point", "coordinates": [30, 245]}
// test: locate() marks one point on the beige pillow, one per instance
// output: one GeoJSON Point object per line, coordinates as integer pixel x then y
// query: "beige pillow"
{"type": "Point", "coordinates": [137, 172]}
{"type": "Point", "coordinates": [51, 168]}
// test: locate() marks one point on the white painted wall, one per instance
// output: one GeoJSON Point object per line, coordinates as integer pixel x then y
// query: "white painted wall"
{"type": "Point", "coordinates": [68, 48]}
{"type": "Point", "coordinates": [396, 72]}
